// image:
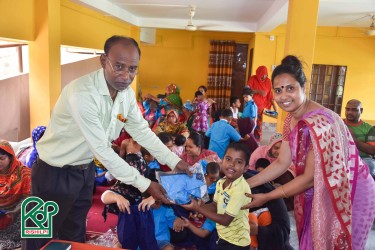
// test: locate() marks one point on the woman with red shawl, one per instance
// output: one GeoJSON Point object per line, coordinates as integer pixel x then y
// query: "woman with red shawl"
{"type": "Point", "coordinates": [195, 151]}
{"type": "Point", "coordinates": [15, 182]}
{"type": "Point", "coordinates": [263, 96]}
{"type": "Point", "coordinates": [334, 191]}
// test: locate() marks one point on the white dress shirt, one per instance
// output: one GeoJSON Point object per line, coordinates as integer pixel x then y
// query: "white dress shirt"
{"type": "Point", "coordinates": [84, 122]}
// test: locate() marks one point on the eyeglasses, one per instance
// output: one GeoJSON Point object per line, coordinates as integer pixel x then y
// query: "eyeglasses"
{"type": "Point", "coordinates": [352, 109]}
{"type": "Point", "coordinates": [119, 68]}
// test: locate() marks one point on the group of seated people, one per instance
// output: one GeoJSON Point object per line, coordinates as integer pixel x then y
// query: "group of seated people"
{"type": "Point", "coordinates": [151, 225]}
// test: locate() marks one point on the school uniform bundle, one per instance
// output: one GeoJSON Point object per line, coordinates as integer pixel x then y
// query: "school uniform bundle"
{"type": "Point", "coordinates": [180, 186]}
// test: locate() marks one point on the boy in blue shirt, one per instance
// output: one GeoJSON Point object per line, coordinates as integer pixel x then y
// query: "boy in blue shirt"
{"type": "Point", "coordinates": [221, 133]}
{"type": "Point", "coordinates": [251, 109]}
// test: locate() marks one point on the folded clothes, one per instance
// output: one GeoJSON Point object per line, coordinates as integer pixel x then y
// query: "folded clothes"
{"type": "Point", "coordinates": [180, 187]}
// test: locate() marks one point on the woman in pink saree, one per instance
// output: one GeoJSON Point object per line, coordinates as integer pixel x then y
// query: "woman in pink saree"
{"type": "Point", "coordinates": [334, 192]}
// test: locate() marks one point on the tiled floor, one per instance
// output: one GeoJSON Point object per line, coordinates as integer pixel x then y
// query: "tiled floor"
{"type": "Point", "coordinates": [268, 130]}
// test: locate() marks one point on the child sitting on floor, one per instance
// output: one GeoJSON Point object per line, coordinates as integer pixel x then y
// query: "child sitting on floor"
{"type": "Point", "coordinates": [135, 228]}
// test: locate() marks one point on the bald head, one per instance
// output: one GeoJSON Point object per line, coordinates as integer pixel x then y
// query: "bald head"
{"type": "Point", "coordinates": [353, 111]}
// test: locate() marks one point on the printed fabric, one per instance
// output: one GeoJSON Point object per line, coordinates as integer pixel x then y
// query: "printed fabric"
{"type": "Point", "coordinates": [339, 210]}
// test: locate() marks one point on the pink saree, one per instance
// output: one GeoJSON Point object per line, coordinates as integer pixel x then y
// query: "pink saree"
{"type": "Point", "coordinates": [337, 213]}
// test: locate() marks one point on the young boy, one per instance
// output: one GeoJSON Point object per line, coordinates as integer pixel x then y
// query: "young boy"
{"type": "Point", "coordinates": [231, 222]}
{"type": "Point", "coordinates": [221, 133]}
{"type": "Point", "coordinates": [211, 177]}
{"type": "Point", "coordinates": [235, 104]}
{"type": "Point", "coordinates": [251, 109]}
{"type": "Point", "coordinates": [261, 164]}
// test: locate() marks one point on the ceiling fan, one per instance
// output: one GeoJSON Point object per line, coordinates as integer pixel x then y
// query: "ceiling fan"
{"type": "Point", "coordinates": [190, 26]}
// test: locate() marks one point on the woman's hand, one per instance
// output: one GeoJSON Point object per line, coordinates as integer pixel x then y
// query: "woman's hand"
{"type": "Point", "coordinates": [257, 200]}
{"type": "Point", "coordinates": [146, 204]}
{"type": "Point", "coordinates": [122, 204]}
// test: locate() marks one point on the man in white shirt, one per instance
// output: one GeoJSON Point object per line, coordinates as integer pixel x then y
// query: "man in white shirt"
{"type": "Point", "coordinates": [88, 115]}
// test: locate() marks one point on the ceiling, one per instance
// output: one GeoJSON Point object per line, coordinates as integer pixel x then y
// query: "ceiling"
{"type": "Point", "coordinates": [229, 15]}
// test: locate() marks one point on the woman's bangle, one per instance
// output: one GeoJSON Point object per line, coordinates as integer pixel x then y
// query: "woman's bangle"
{"type": "Point", "coordinates": [282, 190]}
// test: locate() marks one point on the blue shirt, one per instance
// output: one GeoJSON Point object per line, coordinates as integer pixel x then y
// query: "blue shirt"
{"type": "Point", "coordinates": [163, 219]}
{"type": "Point", "coordinates": [250, 110]}
{"type": "Point", "coordinates": [221, 133]}
{"type": "Point", "coordinates": [209, 225]}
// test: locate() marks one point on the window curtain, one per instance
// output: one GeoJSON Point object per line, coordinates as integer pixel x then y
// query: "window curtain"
{"type": "Point", "coordinates": [220, 72]}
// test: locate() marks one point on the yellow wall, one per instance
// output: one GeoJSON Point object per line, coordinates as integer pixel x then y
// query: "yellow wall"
{"type": "Point", "coordinates": [17, 19]}
{"type": "Point", "coordinates": [179, 57]}
{"type": "Point", "coordinates": [86, 28]}
{"type": "Point", "coordinates": [333, 46]}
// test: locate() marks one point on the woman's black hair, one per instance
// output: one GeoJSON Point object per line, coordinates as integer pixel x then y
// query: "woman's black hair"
{"type": "Point", "coordinates": [3, 152]}
{"type": "Point", "coordinates": [197, 139]}
{"type": "Point", "coordinates": [290, 65]}
{"type": "Point", "coordinates": [240, 147]}
{"type": "Point", "coordinates": [203, 87]}
{"type": "Point", "coordinates": [165, 137]}
{"type": "Point", "coordinates": [197, 93]}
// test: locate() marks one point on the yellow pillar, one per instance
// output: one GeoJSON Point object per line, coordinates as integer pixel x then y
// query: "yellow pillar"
{"type": "Point", "coordinates": [300, 39]}
{"type": "Point", "coordinates": [44, 56]}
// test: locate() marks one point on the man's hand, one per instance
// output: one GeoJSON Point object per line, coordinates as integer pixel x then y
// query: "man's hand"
{"type": "Point", "coordinates": [158, 192]}
{"type": "Point", "coordinates": [182, 167]}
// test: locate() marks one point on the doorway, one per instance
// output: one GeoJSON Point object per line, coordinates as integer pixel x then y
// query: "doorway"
{"type": "Point", "coordinates": [239, 71]}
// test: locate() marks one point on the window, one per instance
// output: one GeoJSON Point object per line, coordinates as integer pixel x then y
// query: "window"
{"type": "Point", "coordinates": [12, 58]}
{"type": "Point", "coordinates": [327, 85]}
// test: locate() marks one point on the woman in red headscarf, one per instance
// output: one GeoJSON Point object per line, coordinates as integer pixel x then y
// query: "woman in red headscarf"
{"type": "Point", "coordinates": [263, 96]}
{"type": "Point", "coordinates": [15, 182]}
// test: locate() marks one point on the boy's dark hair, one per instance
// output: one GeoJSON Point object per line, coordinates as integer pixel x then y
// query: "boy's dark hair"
{"type": "Point", "coordinates": [203, 87]}
{"type": "Point", "coordinates": [165, 137]}
{"type": "Point", "coordinates": [233, 100]}
{"type": "Point", "coordinates": [197, 93]}
{"type": "Point", "coordinates": [238, 146]}
{"type": "Point", "coordinates": [247, 91]}
{"type": "Point", "coordinates": [144, 152]}
{"type": "Point", "coordinates": [120, 39]}
{"type": "Point", "coordinates": [262, 163]}
{"type": "Point", "coordinates": [213, 168]}
{"type": "Point", "coordinates": [3, 152]}
{"type": "Point", "coordinates": [227, 113]}
{"type": "Point", "coordinates": [180, 140]}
